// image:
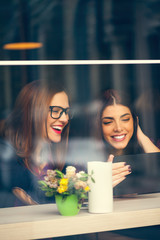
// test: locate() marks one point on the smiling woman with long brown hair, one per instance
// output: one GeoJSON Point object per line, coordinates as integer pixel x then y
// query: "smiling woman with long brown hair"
{"type": "Point", "coordinates": [119, 126]}
{"type": "Point", "coordinates": [120, 131]}
{"type": "Point", "coordinates": [37, 132]}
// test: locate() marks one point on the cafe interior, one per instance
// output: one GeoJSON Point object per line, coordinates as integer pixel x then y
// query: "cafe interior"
{"type": "Point", "coordinates": [88, 46]}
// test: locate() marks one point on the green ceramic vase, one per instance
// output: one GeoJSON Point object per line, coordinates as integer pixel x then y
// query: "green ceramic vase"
{"type": "Point", "coordinates": [68, 205]}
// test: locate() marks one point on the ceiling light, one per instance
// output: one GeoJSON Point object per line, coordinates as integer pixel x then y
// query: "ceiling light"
{"type": "Point", "coordinates": [22, 46]}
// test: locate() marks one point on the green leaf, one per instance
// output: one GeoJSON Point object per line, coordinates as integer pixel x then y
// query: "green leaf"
{"type": "Point", "coordinates": [71, 188]}
{"type": "Point", "coordinates": [83, 196]}
{"type": "Point", "coordinates": [44, 188]}
{"type": "Point", "coordinates": [92, 179]}
{"type": "Point", "coordinates": [59, 174]}
{"type": "Point", "coordinates": [49, 194]}
{"type": "Point", "coordinates": [84, 174]}
{"type": "Point", "coordinates": [43, 183]}
{"type": "Point", "coordinates": [84, 179]}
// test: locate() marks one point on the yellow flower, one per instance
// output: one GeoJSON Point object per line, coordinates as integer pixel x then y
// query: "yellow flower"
{"type": "Point", "coordinates": [86, 189]}
{"type": "Point", "coordinates": [62, 189]}
{"type": "Point", "coordinates": [64, 182]}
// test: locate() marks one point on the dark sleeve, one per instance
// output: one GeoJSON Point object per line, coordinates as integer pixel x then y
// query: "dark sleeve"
{"type": "Point", "coordinates": [14, 174]}
{"type": "Point", "coordinates": [7, 157]}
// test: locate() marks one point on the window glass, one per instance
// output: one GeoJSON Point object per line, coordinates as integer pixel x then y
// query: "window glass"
{"type": "Point", "coordinates": [45, 30]}
{"type": "Point", "coordinates": [80, 30]}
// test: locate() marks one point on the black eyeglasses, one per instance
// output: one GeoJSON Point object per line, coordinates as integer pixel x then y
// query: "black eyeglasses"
{"type": "Point", "coordinates": [56, 112]}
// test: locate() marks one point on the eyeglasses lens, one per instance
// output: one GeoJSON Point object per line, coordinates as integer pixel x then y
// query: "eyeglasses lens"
{"type": "Point", "coordinates": [56, 112]}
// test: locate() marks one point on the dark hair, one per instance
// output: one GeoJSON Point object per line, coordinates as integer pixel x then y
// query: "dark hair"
{"type": "Point", "coordinates": [26, 129]}
{"type": "Point", "coordinates": [111, 97]}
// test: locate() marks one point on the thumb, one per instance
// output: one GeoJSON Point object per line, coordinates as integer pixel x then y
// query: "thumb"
{"type": "Point", "coordinates": [110, 158]}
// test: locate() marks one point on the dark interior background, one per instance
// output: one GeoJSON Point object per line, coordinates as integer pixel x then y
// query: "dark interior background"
{"type": "Point", "coordinates": [83, 30]}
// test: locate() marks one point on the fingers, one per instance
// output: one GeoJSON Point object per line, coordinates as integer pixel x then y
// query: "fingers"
{"type": "Point", "coordinates": [116, 182]}
{"type": "Point", "coordinates": [119, 173]}
{"type": "Point", "coordinates": [118, 169]}
{"type": "Point", "coordinates": [110, 158]}
{"type": "Point", "coordinates": [119, 165]}
{"type": "Point", "coordinates": [23, 196]}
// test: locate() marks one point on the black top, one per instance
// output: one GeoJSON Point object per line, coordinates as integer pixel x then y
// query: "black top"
{"type": "Point", "coordinates": [13, 173]}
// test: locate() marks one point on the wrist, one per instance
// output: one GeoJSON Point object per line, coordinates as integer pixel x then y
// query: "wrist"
{"type": "Point", "coordinates": [142, 139]}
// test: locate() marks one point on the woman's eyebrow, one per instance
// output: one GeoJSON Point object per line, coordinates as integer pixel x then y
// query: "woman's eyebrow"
{"type": "Point", "coordinates": [111, 118]}
{"type": "Point", "coordinates": [126, 114]}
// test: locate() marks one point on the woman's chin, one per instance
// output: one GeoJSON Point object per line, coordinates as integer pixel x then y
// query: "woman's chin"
{"type": "Point", "coordinates": [119, 146]}
{"type": "Point", "coordinates": [55, 139]}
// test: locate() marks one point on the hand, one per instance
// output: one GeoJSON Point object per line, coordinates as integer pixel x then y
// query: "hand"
{"type": "Point", "coordinates": [140, 134]}
{"type": "Point", "coordinates": [119, 171]}
{"type": "Point", "coordinates": [144, 141]}
{"type": "Point", "coordinates": [23, 196]}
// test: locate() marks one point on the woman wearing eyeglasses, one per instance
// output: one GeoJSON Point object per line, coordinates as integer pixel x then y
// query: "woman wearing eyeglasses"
{"type": "Point", "coordinates": [36, 136]}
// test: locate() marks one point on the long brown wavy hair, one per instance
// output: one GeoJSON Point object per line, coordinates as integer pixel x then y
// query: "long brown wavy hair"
{"type": "Point", "coordinates": [26, 127]}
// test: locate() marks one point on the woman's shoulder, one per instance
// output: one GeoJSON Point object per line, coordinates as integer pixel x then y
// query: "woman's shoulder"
{"type": "Point", "coordinates": [7, 151]}
{"type": "Point", "coordinates": [11, 165]}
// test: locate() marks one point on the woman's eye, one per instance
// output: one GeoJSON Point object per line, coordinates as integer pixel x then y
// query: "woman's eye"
{"type": "Point", "coordinates": [125, 119]}
{"type": "Point", "coordinates": [105, 123]}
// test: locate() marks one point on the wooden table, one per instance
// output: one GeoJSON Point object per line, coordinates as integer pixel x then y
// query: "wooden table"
{"type": "Point", "coordinates": [44, 221]}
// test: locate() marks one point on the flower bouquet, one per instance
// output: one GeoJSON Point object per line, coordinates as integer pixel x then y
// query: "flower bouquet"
{"type": "Point", "coordinates": [70, 189]}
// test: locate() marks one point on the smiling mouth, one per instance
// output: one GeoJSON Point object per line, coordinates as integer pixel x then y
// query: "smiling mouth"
{"type": "Point", "coordinates": [57, 130]}
{"type": "Point", "coordinates": [119, 138]}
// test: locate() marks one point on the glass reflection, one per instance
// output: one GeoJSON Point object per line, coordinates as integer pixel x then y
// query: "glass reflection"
{"type": "Point", "coordinates": [84, 30]}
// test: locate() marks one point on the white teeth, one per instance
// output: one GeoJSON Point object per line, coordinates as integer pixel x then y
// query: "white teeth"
{"type": "Point", "coordinates": [58, 128]}
{"type": "Point", "coordinates": [119, 137]}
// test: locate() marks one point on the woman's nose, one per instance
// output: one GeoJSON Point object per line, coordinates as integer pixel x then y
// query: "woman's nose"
{"type": "Point", "coordinates": [64, 117]}
{"type": "Point", "coordinates": [117, 126]}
